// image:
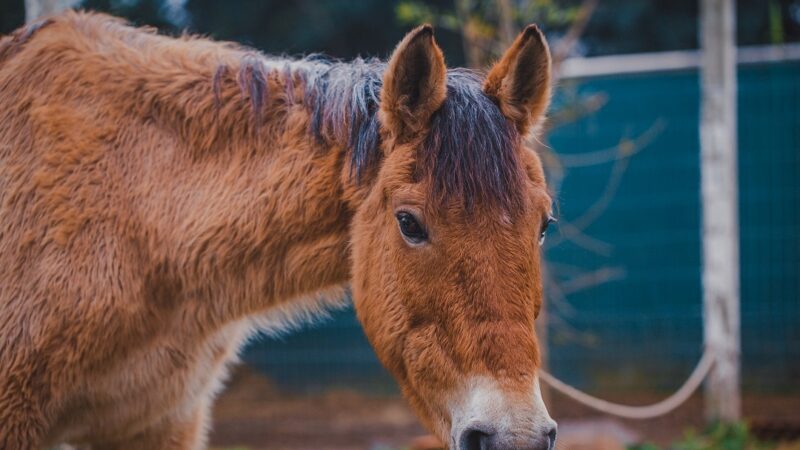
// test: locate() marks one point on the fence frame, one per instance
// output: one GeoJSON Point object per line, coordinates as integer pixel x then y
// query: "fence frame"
{"type": "Point", "coordinates": [717, 64]}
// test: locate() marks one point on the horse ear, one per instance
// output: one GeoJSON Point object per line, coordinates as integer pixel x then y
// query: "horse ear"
{"type": "Point", "coordinates": [520, 81]}
{"type": "Point", "coordinates": [414, 85]}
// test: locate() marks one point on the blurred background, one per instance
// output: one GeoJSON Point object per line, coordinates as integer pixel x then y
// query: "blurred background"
{"type": "Point", "coordinates": [624, 317]}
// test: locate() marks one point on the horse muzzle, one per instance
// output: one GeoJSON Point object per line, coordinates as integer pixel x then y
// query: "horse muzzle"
{"type": "Point", "coordinates": [478, 438]}
{"type": "Point", "coordinates": [484, 417]}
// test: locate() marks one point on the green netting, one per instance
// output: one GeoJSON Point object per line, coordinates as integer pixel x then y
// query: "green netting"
{"type": "Point", "coordinates": [643, 328]}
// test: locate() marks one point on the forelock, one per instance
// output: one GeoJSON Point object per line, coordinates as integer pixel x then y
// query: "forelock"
{"type": "Point", "coordinates": [470, 152]}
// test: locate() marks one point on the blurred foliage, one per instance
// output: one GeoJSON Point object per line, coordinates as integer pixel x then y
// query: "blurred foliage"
{"type": "Point", "coordinates": [720, 436]}
{"type": "Point", "coordinates": [342, 28]}
{"type": "Point", "coordinates": [487, 27]}
{"type": "Point", "coordinates": [623, 26]}
{"type": "Point", "coordinates": [555, 14]}
{"type": "Point", "coordinates": [776, 31]}
{"type": "Point", "coordinates": [12, 14]}
{"type": "Point", "coordinates": [149, 12]}
{"type": "Point", "coordinates": [346, 28]}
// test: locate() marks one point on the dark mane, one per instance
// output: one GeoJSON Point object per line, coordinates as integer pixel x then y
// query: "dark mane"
{"type": "Point", "coordinates": [469, 153]}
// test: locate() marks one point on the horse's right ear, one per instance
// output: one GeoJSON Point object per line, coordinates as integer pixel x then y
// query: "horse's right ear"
{"type": "Point", "coordinates": [414, 85]}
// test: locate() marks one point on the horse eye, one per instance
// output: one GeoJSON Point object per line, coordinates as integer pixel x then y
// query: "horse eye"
{"type": "Point", "coordinates": [550, 219]}
{"type": "Point", "coordinates": [410, 227]}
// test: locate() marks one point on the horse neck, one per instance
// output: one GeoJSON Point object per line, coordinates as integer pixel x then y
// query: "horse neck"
{"type": "Point", "coordinates": [271, 225]}
{"type": "Point", "coordinates": [224, 202]}
{"type": "Point", "coordinates": [251, 206]}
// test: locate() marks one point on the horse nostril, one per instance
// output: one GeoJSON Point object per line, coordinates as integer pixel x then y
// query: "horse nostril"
{"type": "Point", "coordinates": [475, 439]}
{"type": "Point", "coordinates": [551, 438]}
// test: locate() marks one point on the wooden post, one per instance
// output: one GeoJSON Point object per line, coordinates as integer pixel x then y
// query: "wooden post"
{"type": "Point", "coordinates": [720, 208]}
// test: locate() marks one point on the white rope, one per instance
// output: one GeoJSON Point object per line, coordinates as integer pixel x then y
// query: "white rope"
{"type": "Point", "coordinates": [637, 412]}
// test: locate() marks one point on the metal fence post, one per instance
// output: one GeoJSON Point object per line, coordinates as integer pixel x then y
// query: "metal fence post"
{"type": "Point", "coordinates": [720, 208]}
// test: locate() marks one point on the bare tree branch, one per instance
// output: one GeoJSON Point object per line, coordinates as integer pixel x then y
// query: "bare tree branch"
{"type": "Point", "coordinates": [577, 236]}
{"type": "Point", "coordinates": [507, 29]}
{"type": "Point", "coordinates": [591, 279]}
{"type": "Point", "coordinates": [625, 149]}
{"type": "Point", "coordinates": [567, 43]}
{"type": "Point", "coordinates": [472, 49]}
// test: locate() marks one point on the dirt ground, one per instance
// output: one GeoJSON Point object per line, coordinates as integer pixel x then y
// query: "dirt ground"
{"type": "Point", "coordinates": [253, 415]}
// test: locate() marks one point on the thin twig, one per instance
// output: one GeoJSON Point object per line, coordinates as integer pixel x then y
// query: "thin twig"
{"type": "Point", "coordinates": [567, 43]}
{"type": "Point", "coordinates": [507, 28]}
{"type": "Point", "coordinates": [625, 149]}
{"type": "Point", "coordinates": [592, 279]}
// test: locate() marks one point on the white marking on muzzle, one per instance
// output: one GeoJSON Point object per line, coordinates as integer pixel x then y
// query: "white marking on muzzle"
{"type": "Point", "coordinates": [482, 404]}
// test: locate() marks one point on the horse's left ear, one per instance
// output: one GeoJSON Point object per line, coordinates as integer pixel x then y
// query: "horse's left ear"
{"type": "Point", "coordinates": [414, 85]}
{"type": "Point", "coordinates": [520, 81]}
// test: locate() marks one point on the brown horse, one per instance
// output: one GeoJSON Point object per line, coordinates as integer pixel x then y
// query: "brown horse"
{"type": "Point", "coordinates": [161, 199]}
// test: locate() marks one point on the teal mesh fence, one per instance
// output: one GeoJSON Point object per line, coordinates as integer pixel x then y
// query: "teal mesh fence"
{"type": "Point", "coordinates": [642, 327]}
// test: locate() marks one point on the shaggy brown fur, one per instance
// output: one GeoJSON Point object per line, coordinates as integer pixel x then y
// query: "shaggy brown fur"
{"type": "Point", "coordinates": [161, 198]}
